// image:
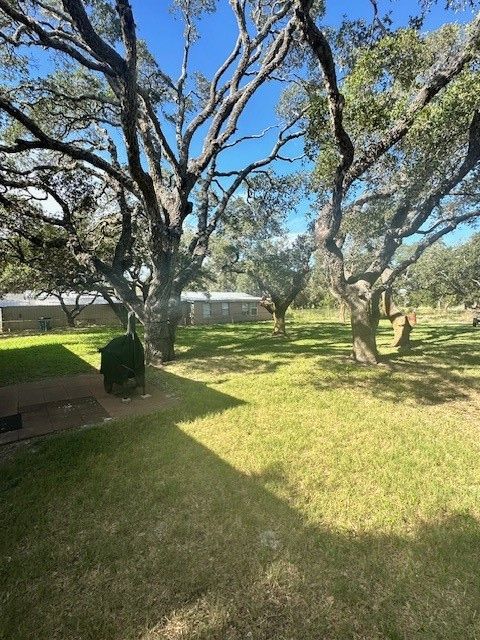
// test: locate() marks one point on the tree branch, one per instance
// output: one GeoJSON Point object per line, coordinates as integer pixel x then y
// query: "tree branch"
{"type": "Point", "coordinates": [401, 127]}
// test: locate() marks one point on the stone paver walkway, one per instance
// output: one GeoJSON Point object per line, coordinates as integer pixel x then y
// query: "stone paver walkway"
{"type": "Point", "coordinates": [54, 404]}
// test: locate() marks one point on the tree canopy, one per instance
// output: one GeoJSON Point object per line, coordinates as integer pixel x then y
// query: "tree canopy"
{"type": "Point", "coordinates": [445, 275]}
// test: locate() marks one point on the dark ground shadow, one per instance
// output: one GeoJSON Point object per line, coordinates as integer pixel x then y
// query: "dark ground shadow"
{"type": "Point", "coordinates": [322, 339]}
{"type": "Point", "coordinates": [401, 380]}
{"type": "Point", "coordinates": [445, 343]}
{"type": "Point", "coordinates": [437, 370]}
{"type": "Point", "coordinates": [49, 360]}
{"type": "Point", "coordinates": [141, 532]}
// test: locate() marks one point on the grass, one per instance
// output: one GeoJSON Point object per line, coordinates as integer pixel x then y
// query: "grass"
{"type": "Point", "coordinates": [288, 495]}
{"type": "Point", "coordinates": [30, 357]}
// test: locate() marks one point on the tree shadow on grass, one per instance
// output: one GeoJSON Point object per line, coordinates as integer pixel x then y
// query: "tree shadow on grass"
{"type": "Point", "coordinates": [401, 382]}
{"type": "Point", "coordinates": [439, 369]}
{"type": "Point", "coordinates": [307, 340]}
{"type": "Point", "coordinates": [39, 361]}
{"type": "Point", "coordinates": [458, 347]}
{"type": "Point", "coordinates": [430, 375]}
{"type": "Point", "coordinates": [233, 363]}
{"type": "Point", "coordinates": [138, 531]}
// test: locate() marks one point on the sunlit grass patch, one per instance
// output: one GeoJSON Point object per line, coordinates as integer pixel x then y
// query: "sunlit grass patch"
{"type": "Point", "coordinates": [288, 494]}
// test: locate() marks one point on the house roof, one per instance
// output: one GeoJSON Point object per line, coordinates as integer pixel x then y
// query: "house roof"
{"type": "Point", "coordinates": [218, 296]}
{"type": "Point", "coordinates": [27, 299]}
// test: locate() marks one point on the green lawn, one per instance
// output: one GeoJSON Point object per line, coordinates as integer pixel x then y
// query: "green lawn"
{"type": "Point", "coordinates": [288, 495]}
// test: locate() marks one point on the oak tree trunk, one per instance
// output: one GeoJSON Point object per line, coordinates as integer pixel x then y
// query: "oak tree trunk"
{"type": "Point", "coordinates": [69, 315]}
{"type": "Point", "coordinates": [161, 320]}
{"type": "Point", "coordinates": [159, 340]}
{"type": "Point", "coordinates": [402, 324]}
{"type": "Point", "coordinates": [278, 310]}
{"type": "Point", "coordinates": [279, 322]}
{"type": "Point", "coordinates": [70, 320]}
{"type": "Point", "coordinates": [364, 309]}
{"type": "Point", "coordinates": [118, 309]}
{"type": "Point", "coordinates": [163, 308]}
{"type": "Point", "coordinates": [364, 336]}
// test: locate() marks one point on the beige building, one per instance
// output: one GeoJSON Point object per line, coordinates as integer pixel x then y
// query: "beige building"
{"type": "Point", "coordinates": [20, 312]}
{"type": "Point", "coordinates": [222, 306]}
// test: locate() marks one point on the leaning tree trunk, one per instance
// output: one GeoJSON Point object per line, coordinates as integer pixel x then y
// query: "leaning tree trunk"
{"type": "Point", "coordinates": [279, 321]}
{"type": "Point", "coordinates": [118, 308]}
{"type": "Point", "coordinates": [278, 314]}
{"type": "Point", "coordinates": [364, 319]}
{"type": "Point", "coordinates": [69, 315]}
{"type": "Point", "coordinates": [402, 324]}
{"type": "Point", "coordinates": [121, 312]}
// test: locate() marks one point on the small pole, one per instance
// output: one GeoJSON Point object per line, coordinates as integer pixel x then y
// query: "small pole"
{"type": "Point", "coordinates": [131, 323]}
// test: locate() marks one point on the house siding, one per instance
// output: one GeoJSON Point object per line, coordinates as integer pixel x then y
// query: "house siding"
{"type": "Point", "coordinates": [26, 317]}
{"type": "Point", "coordinates": [235, 314]}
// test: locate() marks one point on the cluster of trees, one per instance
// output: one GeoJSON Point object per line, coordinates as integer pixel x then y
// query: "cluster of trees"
{"type": "Point", "coordinates": [132, 172]}
{"type": "Point", "coordinates": [444, 276]}
{"type": "Point", "coordinates": [53, 271]}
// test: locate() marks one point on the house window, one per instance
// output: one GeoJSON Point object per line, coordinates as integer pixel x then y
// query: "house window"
{"type": "Point", "coordinates": [206, 310]}
{"type": "Point", "coordinates": [225, 309]}
{"type": "Point", "coordinates": [249, 309]}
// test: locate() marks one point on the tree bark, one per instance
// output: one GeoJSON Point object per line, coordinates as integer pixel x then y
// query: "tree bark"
{"type": "Point", "coordinates": [163, 310]}
{"type": "Point", "coordinates": [70, 319]}
{"type": "Point", "coordinates": [364, 335]}
{"type": "Point", "coordinates": [364, 309]}
{"type": "Point", "coordinates": [278, 314]}
{"type": "Point", "coordinates": [70, 315]}
{"type": "Point", "coordinates": [159, 329]}
{"type": "Point", "coordinates": [279, 322]}
{"type": "Point", "coordinates": [402, 324]}
{"type": "Point", "coordinates": [159, 341]}
{"type": "Point", "coordinates": [118, 309]}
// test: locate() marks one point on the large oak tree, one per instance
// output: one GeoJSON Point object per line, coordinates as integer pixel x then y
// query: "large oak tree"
{"type": "Point", "coordinates": [95, 134]}
{"type": "Point", "coordinates": [399, 148]}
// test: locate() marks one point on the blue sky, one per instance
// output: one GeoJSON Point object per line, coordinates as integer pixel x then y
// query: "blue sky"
{"type": "Point", "coordinates": [163, 32]}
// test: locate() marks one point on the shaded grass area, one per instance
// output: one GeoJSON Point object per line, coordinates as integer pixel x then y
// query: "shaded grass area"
{"type": "Point", "coordinates": [32, 357]}
{"type": "Point", "coordinates": [288, 495]}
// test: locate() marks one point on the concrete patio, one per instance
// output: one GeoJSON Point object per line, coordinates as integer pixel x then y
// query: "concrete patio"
{"type": "Point", "coordinates": [37, 408]}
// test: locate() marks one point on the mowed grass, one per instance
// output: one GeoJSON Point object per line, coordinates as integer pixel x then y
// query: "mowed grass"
{"type": "Point", "coordinates": [288, 494]}
{"type": "Point", "coordinates": [33, 357]}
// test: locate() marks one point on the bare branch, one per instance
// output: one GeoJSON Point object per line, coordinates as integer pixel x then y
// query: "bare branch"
{"type": "Point", "coordinates": [101, 49]}
{"type": "Point", "coordinates": [431, 238]}
{"type": "Point", "coordinates": [44, 141]}
{"type": "Point", "coordinates": [55, 40]}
